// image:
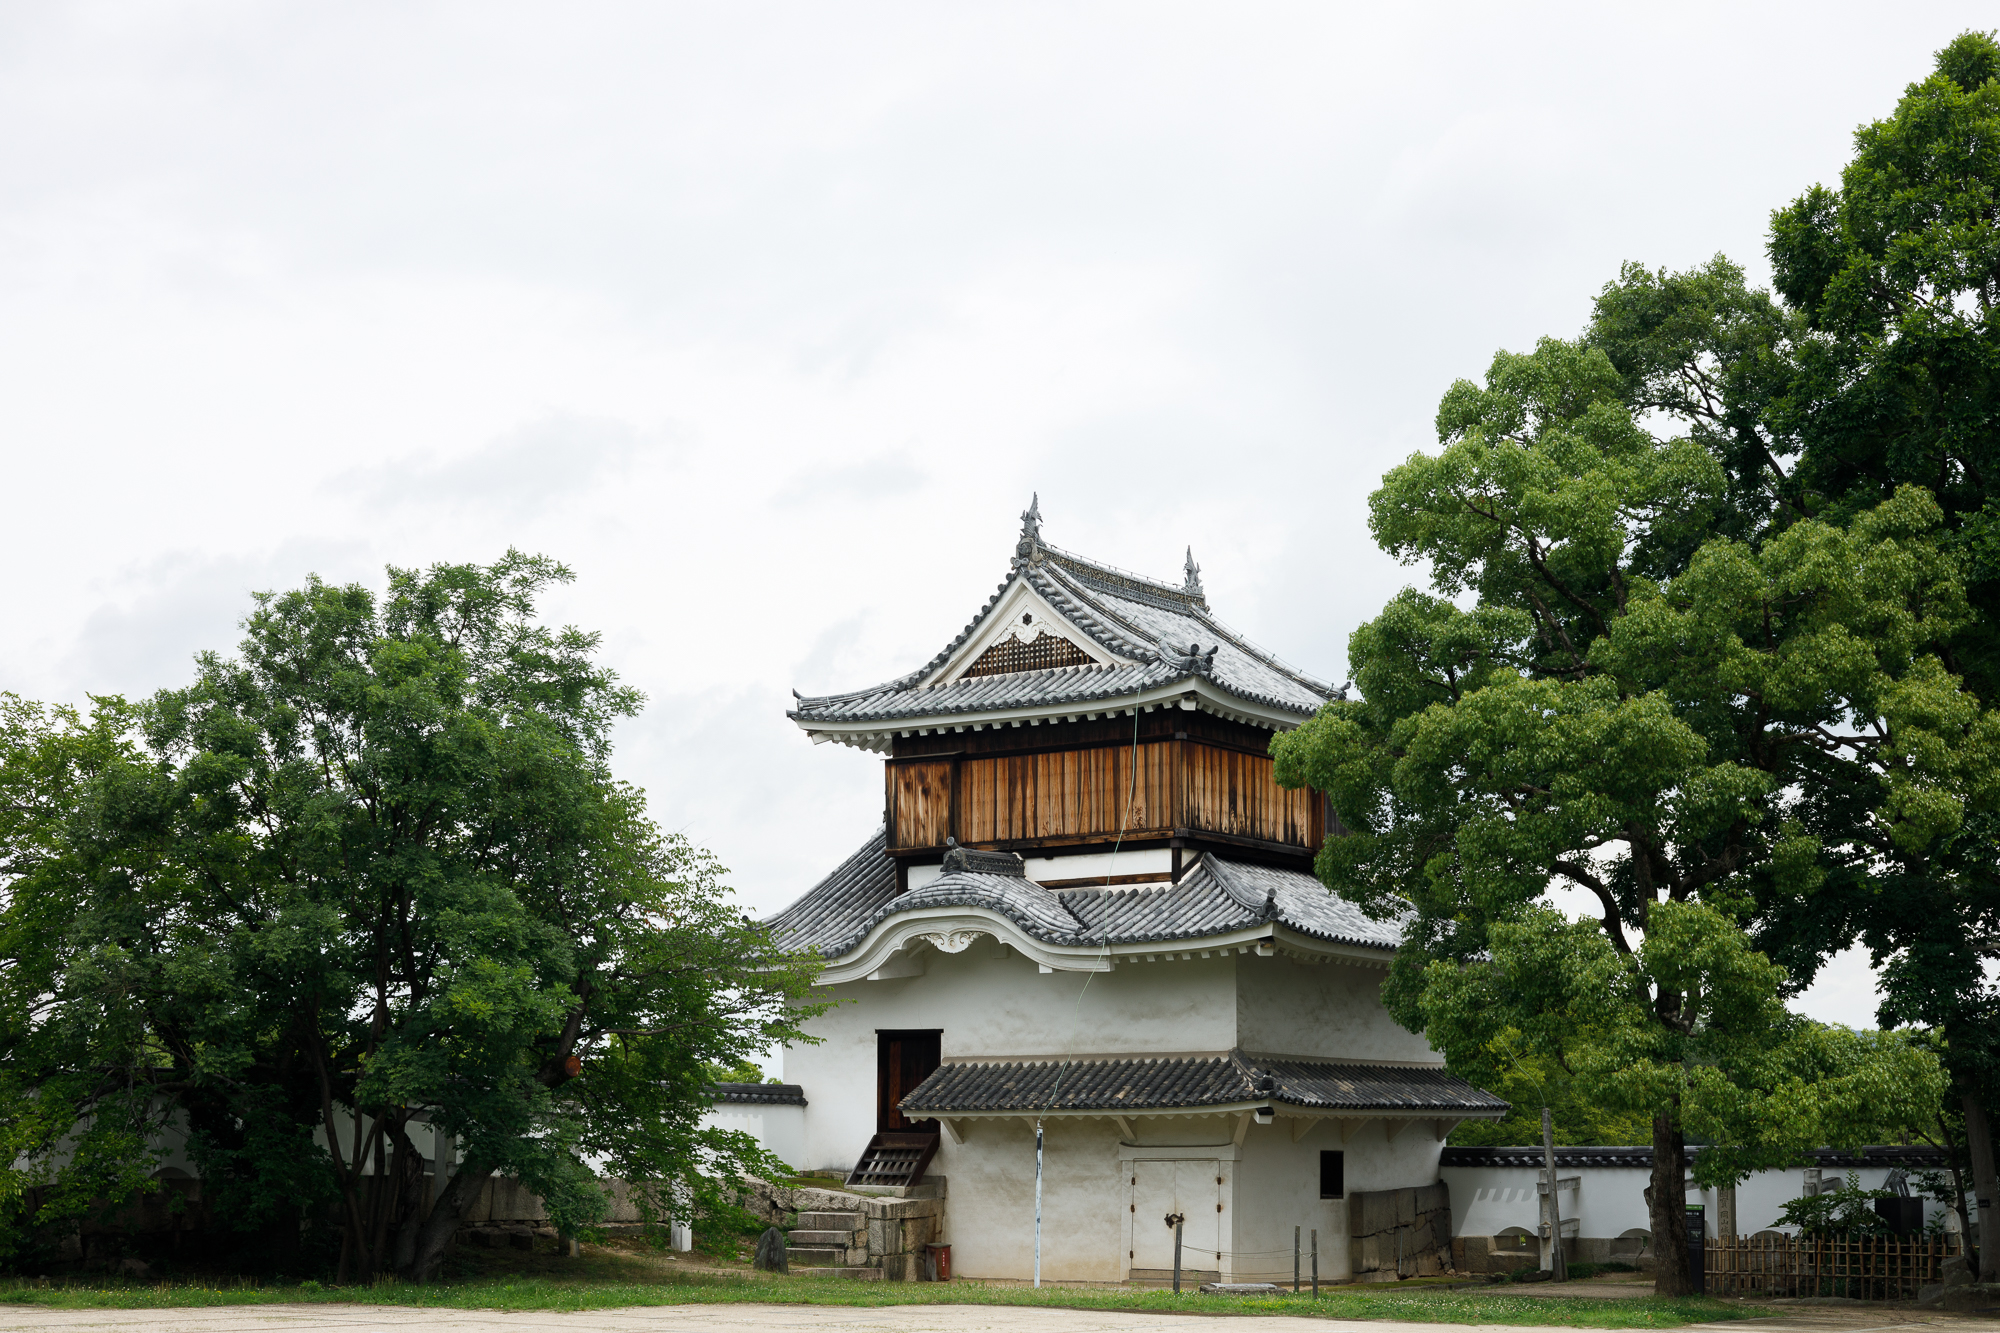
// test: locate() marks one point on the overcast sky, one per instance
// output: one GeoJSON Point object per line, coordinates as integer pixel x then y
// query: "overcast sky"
{"type": "Point", "coordinates": [768, 319]}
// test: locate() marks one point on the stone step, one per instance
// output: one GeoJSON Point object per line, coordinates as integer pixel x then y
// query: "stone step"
{"type": "Point", "coordinates": [859, 1274]}
{"type": "Point", "coordinates": [836, 1256]}
{"type": "Point", "coordinates": [832, 1221]}
{"type": "Point", "coordinates": [801, 1236]}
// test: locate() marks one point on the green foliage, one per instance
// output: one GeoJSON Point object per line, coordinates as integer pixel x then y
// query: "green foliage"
{"type": "Point", "coordinates": [1898, 272]}
{"type": "Point", "coordinates": [1704, 716]}
{"type": "Point", "coordinates": [743, 1071]}
{"type": "Point", "coordinates": [1846, 1209]}
{"type": "Point", "coordinates": [375, 867]}
{"type": "Point", "coordinates": [1529, 1080]}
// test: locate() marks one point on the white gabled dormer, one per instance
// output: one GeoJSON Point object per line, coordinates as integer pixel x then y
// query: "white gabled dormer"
{"type": "Point", "coordinates": [1023, 633]}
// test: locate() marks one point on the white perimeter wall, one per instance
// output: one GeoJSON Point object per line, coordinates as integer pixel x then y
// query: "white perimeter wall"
{"type": "Point", "coordinates": [779, 1129]}
{"type": "Point", "coordinates": [1611, 1202]}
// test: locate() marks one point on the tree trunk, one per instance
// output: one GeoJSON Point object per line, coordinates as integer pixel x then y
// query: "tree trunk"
{"type": "Point", "coordinates": [1666, 1198]}
{"type": "Point", "coordinates": [436, 1232]}
{"type": "Point", "coordinates": [1957, 1177]}
{"type": "Point", "coordinates": [1985, 1190]}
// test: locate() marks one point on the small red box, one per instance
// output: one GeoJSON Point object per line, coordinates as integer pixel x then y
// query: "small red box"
{"type": "Point", "coordinates": [940, 1261]}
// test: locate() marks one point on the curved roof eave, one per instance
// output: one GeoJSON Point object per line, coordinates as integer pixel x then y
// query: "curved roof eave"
{"type": "Point", "coordinates": [874, 731]}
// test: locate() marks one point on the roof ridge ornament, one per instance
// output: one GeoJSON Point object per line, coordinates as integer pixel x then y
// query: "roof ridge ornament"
{"type": "Point", "coordinates": [1028, 551]}
{"type": "Point", "coordinates": [1192, 585]}
{"type": "Point", "coordinates": [971, 860]}
{"type": "Point", "coordinates": [1191, 660]}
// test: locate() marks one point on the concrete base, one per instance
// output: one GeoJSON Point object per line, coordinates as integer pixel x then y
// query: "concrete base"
{"type": "Point", "coordinates": [1482, 1255]}
{"type": "Point", "coordinates": [1979, 1296]}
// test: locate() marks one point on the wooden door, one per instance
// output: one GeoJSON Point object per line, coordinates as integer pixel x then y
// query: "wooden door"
{"type": "Point", "coordinates": [1161, 1189]}
{"type": "Point", "coordinates": [902, 1060]}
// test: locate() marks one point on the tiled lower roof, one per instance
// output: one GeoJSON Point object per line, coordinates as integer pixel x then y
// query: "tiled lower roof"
{"type": "Point", "coordinates": [1141, 1084]}
{"type": "Point", "coordinates": [1641, 1158]}
{"type": "Point", "coordinates": [832, 908]}
{"type": "Point", "coordinates": [758, 1094]}
{"type": "Point", "coordinates": [1216, 897]}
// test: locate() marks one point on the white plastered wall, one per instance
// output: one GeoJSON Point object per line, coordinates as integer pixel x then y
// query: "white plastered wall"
{"type": "Point", "coordinates": [1610, 1201]}
{"type": "Point", "coordinates": [994, 1007]}
{"type": "Point", "coordinates": [990, 1213]}
{"type": "Point", "coordinates": [1328, 1011]}
{"type": "Point", "coordinates": [1278, 1189]}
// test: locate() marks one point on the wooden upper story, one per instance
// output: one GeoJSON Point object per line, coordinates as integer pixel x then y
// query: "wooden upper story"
{"type": "Point", "coordinates": [1179, 776]}
{"type": "Point", "coordinates": [1085, 707]}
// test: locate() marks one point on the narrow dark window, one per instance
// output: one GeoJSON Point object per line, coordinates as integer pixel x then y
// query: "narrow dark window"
{"type": "Point", "coordinates": [1332, 1172]}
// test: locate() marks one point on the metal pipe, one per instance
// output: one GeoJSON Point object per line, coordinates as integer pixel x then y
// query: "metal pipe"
{"type": "Point", "coordinates": [1178, 1220]}
{"type": "Point", "coordinates": [1315, 1263]}
{"type": "Point", "coordinates": [1295, 1261]}
{"type": "Point", "coordinates": [1038, 1205]}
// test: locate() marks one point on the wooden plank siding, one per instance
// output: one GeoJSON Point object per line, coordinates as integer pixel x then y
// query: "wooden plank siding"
{"type": "Point", "coordinates": [1065, 794]}
{"type": "Point", "coordinates": [1183, 786]}
{"type": "Point", "coordinates": [920, 802]}
{"type": "Point", "coordinates": [1233, 793]}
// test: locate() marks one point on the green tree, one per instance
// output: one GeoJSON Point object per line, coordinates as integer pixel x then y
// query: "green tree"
{"type": "Point", "coordinates": [1645, 711]}
{"type": "Point", "coordinates": [1876, 366]}
{"type": "Point", "coordinates": [1896, 275]}
{"type": "Point", "coordinates": [1529, 1079]}
{"type": "Point", "coordinates": [376, 870]}
{"type": "Point", "coordinates": [55, 1103]}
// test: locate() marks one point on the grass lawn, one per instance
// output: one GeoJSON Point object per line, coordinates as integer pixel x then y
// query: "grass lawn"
{"type": "Point", "coordinates": [608, 1276]}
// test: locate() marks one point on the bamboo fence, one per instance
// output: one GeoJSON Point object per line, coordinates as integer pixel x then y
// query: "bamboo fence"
{"type": "Point", "coordinates": [1869, 1268]}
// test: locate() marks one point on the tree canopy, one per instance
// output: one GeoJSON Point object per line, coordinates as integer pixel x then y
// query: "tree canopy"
{"type": "Point", "coordinates": [1695, 729]}
{"type": "Point", "coordinates": [373, 872]}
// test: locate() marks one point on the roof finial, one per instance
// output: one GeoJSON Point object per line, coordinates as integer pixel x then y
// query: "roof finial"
{"type": "Point", "coordinates": [1193, 585]}
{"type": "Point", "coordinates": [1030, 545]}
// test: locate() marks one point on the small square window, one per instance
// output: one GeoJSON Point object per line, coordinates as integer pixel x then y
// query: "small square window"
{"type": "Point", "coordinates": [1332, 1176]}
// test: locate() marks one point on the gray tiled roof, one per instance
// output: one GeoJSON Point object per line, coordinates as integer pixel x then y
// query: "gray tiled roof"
{"type": "Point", "coordinates": [758, 1094]}
{"type": "Point", "coordinates": [831, 908]}
{"type": "Point", "coordinates": [1151, 624]}
{"type": "Point", "coordinates": [1158, 1084]}
{"type": "Point", "coordinates": [1216, 897]}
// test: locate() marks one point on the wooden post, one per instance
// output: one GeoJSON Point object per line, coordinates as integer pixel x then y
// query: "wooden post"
{"type": "Point", "coordinates": [1295, 1261]}
{"type": "Point", "coordinates": [1178, 1220]}
{"type": "Point", "coordinates": [1557, 1265]}
{"type": "Point", "coordinates": [1315, 1263]}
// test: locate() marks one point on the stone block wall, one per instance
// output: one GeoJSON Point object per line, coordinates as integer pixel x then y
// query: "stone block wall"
{"type": "Point", "coordinates": [897, 1226]}
{"type": "Point", "coordinates": [1400, 1233]}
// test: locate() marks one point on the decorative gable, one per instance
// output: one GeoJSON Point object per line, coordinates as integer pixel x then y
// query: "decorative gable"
{"type": "Point", "coordinates": [1042, 653]}
{"type": "Point", "coordinates": [1022, 631]}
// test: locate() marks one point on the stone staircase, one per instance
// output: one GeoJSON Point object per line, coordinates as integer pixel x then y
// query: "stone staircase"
{"type": "Point", "coordinates": [831, 1243]}
{"type": "Point", "coordinates": [874, 1234]}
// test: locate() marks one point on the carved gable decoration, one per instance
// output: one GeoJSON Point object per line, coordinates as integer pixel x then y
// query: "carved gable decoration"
{"type": "Point", "coordinates": [1041, 653]}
